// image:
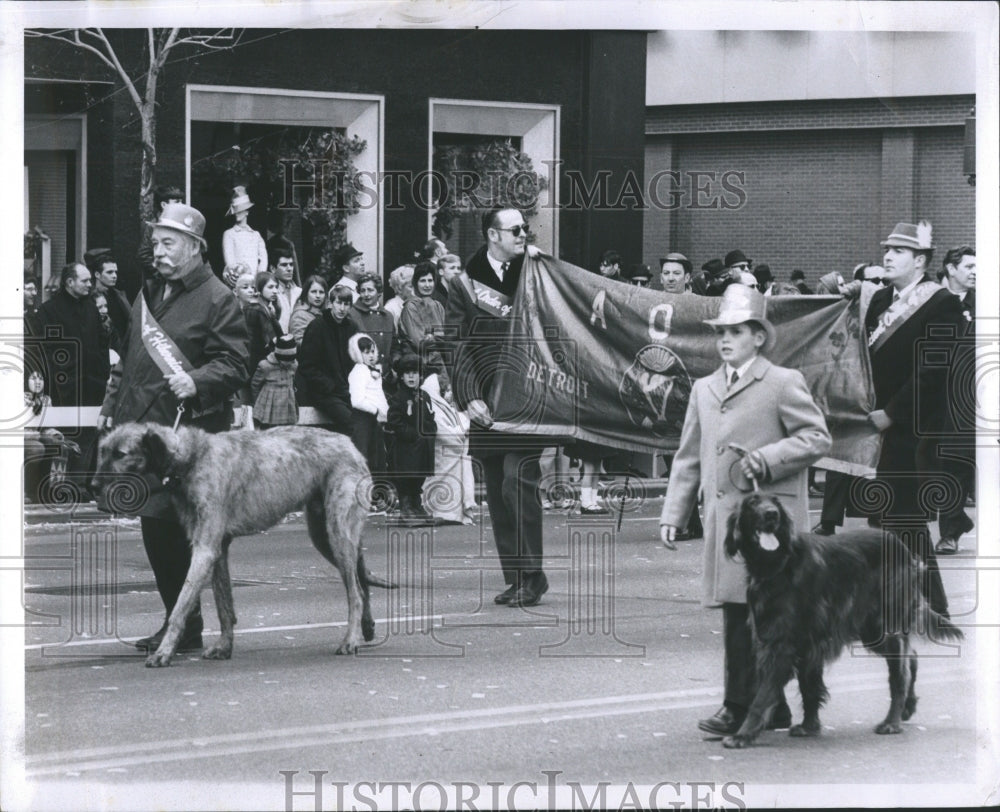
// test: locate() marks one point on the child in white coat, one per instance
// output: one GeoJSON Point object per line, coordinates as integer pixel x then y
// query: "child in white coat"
{"type": "Point", "coordinates": [369, 408]}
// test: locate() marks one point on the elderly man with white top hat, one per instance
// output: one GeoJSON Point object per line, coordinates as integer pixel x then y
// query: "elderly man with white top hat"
{"type": "Point", "coordinates": [200, 322]}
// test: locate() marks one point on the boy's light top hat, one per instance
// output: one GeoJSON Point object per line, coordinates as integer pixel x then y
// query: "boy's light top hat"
{"type": "Point", "coordinates": [741, 304]}
{"type": "Point", "coordinates": [907, 235]}
{"type": "Point", "coordinates": [241, 201]}
{"type": "Point", "coordinates": [182, 218]}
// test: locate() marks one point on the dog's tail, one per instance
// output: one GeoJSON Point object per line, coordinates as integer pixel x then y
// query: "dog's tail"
{"type": "Point", "coordinates": [940, 628]}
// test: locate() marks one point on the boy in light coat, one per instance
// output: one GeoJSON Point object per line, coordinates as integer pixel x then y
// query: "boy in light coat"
{"type": "Point", "coordinates": [747, 405]}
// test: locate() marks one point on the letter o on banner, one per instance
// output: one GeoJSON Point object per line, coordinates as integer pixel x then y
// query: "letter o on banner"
{"type": "Point", "coordinates": [660, 318]}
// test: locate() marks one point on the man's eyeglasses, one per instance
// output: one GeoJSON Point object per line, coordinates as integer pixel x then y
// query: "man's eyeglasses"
{"type": "Point", "coordinates": [516, 230]}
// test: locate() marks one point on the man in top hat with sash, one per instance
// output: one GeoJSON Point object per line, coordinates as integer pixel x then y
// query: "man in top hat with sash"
{"type": "Point", "coordinates": [910, 325]}
{"type": "Point", "coordinates": [480, 303]}
{"type": "Point", "coordinates": [183, 357]}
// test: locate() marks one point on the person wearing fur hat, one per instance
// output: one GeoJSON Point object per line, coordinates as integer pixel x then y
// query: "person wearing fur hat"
{"type": "Point", "coordinates": [273, 385]}
{"type": "Point", "coordinates": [749, 423]}
{"type": "Point", "coordinates": [243, 249]}
{"type": "Point", "coordinates": [911, 320]}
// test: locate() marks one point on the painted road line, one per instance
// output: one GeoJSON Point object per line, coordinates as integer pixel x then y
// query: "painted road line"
{"type": "Point", "coordinates": [368, 730]}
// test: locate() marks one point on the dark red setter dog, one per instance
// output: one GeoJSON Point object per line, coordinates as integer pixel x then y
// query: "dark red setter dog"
{"type": "Point", "coordinates": [810, 597]}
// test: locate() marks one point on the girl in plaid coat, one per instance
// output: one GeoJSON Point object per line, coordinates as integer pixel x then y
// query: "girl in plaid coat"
{"type": "Point", "coordinates": [272, 387]}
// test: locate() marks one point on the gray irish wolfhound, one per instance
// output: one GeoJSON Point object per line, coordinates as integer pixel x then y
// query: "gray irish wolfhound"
{"type": "Point", "coordinates": [243, 482]}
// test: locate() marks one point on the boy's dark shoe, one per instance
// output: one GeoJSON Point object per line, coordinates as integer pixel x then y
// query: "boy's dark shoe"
{"type": "Point", "coordinates": [724, 722]}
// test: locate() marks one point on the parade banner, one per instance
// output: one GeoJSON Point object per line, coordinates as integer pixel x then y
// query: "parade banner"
{"type": "Point", "coordinates": [593, 359]}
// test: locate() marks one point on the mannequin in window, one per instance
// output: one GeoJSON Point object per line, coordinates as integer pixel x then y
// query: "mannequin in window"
{"type": "Point", "coordinates": [243, 249]}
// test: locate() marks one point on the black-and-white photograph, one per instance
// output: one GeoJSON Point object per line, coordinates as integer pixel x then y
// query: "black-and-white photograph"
{"type": "Point", "coordinates": [498, 404]}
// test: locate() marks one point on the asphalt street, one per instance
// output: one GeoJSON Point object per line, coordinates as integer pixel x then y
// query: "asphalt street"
{"type": "Point", "coordinates": [457, 699]}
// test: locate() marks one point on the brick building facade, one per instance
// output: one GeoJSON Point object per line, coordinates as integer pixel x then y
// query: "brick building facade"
{"type": "Point", "coordinates": [817, 183]}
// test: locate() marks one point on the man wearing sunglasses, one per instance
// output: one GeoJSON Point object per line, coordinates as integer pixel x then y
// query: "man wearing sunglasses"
{"type": "Point", "coordinates": [737, 263]}
{"type": "Point", "coordinates": [480, 304]}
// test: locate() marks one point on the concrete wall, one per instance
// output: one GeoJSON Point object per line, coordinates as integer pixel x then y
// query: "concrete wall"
{"type": "Point", "coordinates": [706, 67]}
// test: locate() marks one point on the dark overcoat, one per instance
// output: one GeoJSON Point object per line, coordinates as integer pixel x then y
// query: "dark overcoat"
{"type": "Point", "coordinates": [324, 366]}
{"type": "Point", "coordinates": [204, 320]}
{"type": "Point", "coordinates": [912, 372]}
{"type": "Point", "coordinates": [75, 349]}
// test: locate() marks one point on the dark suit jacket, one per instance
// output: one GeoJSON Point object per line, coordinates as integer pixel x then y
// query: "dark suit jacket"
{"type": "Point", "coordinates": [911, 372]}
{"type": "Point", "coordinates": [474, 338]}
{"type": "Point", "coordinates": [969, 309]}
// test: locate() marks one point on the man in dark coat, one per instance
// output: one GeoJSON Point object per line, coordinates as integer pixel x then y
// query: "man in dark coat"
{"type": "Point", "coordinates": [77, 363]}
{"type": "Point", "coordinates": [910, 324]}
{"type": "Point", "coordinates": [958, 275]}
{"type": "Point", "coordinates": [713, 279]}
{"type": "Point", "coordinates": [477, 320]}
{"type": "Point", "coordinates": [321, 387]}
{"type": "Point", "coordinates": [76, 378]}
{"type": "Point", "coordinates": [203, 319]}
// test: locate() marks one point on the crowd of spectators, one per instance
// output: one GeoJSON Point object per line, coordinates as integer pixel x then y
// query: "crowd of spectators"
{"type": "Point", "coordinates": [329, 341]}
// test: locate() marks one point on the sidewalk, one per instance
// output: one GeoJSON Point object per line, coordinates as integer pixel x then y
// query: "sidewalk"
{"type": "Point", "coordinates": [86, 512]}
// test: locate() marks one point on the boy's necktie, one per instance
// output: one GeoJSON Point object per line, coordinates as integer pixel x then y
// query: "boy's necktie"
{"type": "Point", "coordinates": [733, 379]}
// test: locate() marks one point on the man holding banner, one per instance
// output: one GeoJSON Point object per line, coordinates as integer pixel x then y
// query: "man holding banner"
{"type": "Point", "coordinates": [477, 320]}
{"type": "Point", "coordinates": [184, 356]}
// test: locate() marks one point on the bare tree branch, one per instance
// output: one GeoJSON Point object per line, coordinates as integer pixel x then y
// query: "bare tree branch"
{"type": "Point", "coordinates": [169, 44]}
{"type": "Point", "coordinates": [129, 84]}
{"type": "Point", "coordinates": [70, 36]}
{"type": "Point", "coordinates": [221, 40]}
